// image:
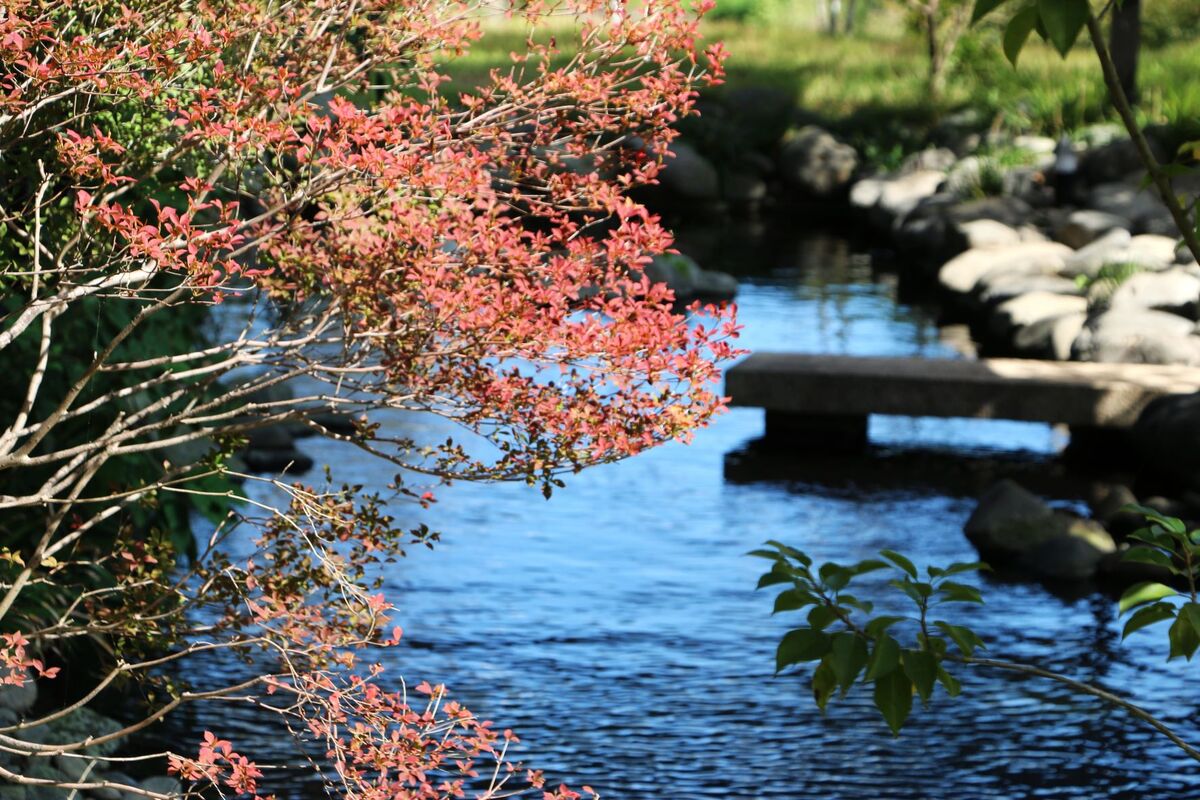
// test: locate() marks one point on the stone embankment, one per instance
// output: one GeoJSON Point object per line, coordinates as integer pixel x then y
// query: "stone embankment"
{"type": "Point", "coordinates": [17, 704]}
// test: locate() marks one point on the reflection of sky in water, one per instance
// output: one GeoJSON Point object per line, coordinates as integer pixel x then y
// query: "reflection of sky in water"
{"type": "Point", "coordinates": [617, 630]}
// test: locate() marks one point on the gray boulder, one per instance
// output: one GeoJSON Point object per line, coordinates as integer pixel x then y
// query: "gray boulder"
{"type": "Point", "coordinates": [1108, 249]}
{"type": "Point", "coordinates": [891, 198]}
{"type": "Point", "coordinates": [1128, 201]}
{"type": "Point", "coordinates": [85, 724]}
{"type": "Point", "coordinates": [1074, 553]}
{"type": "Point", "coordinates": [1084, 227]}
{"type": "Point", "coordinates": [1012, 525]}
{"type": "Point", "coordinates": [19, 699]}
{"type": "Point", "coordinates": [162, 785]}
{"type": "Point", "coordinates": [1050, 338]}
{"type": "Point", "coordinates": [1167, 436]}
{"type": "Point", "coordinates": [815, 163]}
{"type": "Point", "coordinates": [1139, 337]}
{"type": "Point", "coordinates": [1029, 309]}
{"type": "Point", "coordinates": [1008, 521]}
{"type": "Point", "coordinates": [1116, 160]}
{"type": "Point", "coordinates": [997, 287]}
{"type": "Point", "coordinates": [960, 274]}
{"type": "Point", "coordinates": [689, 176]}
{"type": "Point", "coordinates": [1175, 290]}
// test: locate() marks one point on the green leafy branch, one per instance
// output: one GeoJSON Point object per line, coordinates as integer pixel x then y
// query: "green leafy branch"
{"type": "Point", "coordinates": [906, 655]}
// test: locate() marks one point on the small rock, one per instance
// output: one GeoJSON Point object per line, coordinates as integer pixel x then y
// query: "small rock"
{"type": "Point", "coordinates": [1050, 338]}
{"type": "Point", "coordinates": [940, 159]}
{"type": "Point", "coordinates": [1028, 309]}
{"type": "Point", "coordinates": [1108, 506]}
{"type": "Point", "coordinates": [960, 274]}
{"type": "Point", "coordinates": [1038, 145]}
{"type": "Point", "coordinates": [1084, 227]}
{"type": "Point", "coordinates": [900, 195]}
{"type": "Point", "coordinates": [1116, 160]}
{"type": "Point", "coordinates": [1140, 337]}
{"type": "Point", "coordinates": [1174, 291]}
{"type": "Point", "coordinates": [1127, 201]}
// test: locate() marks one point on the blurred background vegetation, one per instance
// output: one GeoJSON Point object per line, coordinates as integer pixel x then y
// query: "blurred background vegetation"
{"type": "Point", "coordinates": [866, 78]}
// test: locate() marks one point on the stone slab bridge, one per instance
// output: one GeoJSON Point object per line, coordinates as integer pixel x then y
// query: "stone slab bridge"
{"type": "Point", "coordinates": [823, 401]}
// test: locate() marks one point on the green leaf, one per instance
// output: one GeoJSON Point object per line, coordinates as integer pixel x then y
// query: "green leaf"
{"type": "Point", "coordinates": [1148, 555]}
{"type": "Point", "coordinates": [949, 682]}
{"type": "Point", "coordinates": [791, 551]}
{"type": "Point", "coordinates": [917, 591]}
{"type": "Point", "coordinates": [921, 668]}
{"type": "Point", "coordinates": [893, 698]}
{"type": "Point", "coordinates": [824, 682]}
{"type": "Point", "coordinates": [767, 554]}
{"type": "Point", "coordinates": [1183, 637]}
{"type": "Point", "coordinates": [821, 617]}
{"type": "Point", "coordinates": [869, 565]}
{"type": "Point", "coordinates": [1191, 612]}
{"type": "Point", "coordinates": [1173, 524]}
{"type": "Point", "coordinates": [959, 593]}
{"type": "Point", "coordinates": [879, 625]}
{"type": "Point", "coordinates": [885, 658]}
{"type": "Point", "coordinates": [960, 567]}
{"type": "Point", "coordinates": [847, 657]}
{"type": "Point", "coordinates": [835, 576]}
{"type": "Point", "coordinates": [1148, 615]}
{"type": "Point", "coordinates": [985, 7]}
{"type": "Point", "coordinates": [1141, 593]}
{"type": "Point", "coordinates": [802, 644]}
{"type": "Point", "coordinates": [1017, 32]}
{"type": "Point", "coordinates": [1063, 20]}
{"type": "Point", "coordinates": [900, 561]}
{"type": "Point", "coordinates": [864, 606]}
{"type": "Point", "coordinates": [792, 599]}
{"type": "Point", "coordinates": [774, 577]}
{"type": "Point", "coordinates": [963, 638]}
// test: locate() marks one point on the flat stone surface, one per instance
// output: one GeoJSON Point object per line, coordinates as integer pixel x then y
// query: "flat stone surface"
{"type": "Point", "coordinates": [1092, 394]}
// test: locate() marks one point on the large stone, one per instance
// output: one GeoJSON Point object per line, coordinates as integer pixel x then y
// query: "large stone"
{"type": "Point", "coordinates": [1072, 554]}
{"type": "Point", "coordinates": [1008, 521]}
{"type": "Point", "coordinates": [1175, 290]}
{"type": "Point", "coordinates": [41, 769]}
{"type": "Point", "coordinates": [1108, 249]}
{"type": "Point", "coordinates": [84, 724]}
{"type": "Point", "coordinates": [1011, 211]}
{"type": "Point", "coordinates": [1050, 338]}
{"type": "Point", "coordinates": [1086, 226]}
{"type": "Point", "coordinates": [815, 163]}
{"type": "Point", "coordinates": [997, 287]}
{"type": "Point", "coordinates": [1127, 201]}
{"type": "Point", "coordinates": [1116, 160]}
{"type": "Point", "coordinates": [1037, 145]}
{"type": "Point", "coordinates": [960, 274]}
{"type": "Point", "coordinates": [982, 233]}
{"type": "Point", "coordinates": [1139, 337]}
{"type": "Point", "coordinates": [1167, 435]}
{"type": "Point", "coordinates": [1028, 309]}
{"type": "Point", "coordinates": [689, 176]}
{"type": "Point", "coordinates": [162, 785]}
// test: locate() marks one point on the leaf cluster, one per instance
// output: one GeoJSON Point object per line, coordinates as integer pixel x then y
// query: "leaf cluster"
{"type": "Point", "coordinates": [1058, 22]}
{"type": "Point", "coordinates": [851, 643]}
{"type": "Point", "coordinates": [1166, 543]}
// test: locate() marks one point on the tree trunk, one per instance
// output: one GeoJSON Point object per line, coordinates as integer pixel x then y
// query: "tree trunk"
{"type": "Point", "coordinates": [1125, 44]}
{"type": "Point", "coordinates": [936, 66]}
{"type": "Point", "coordinates": [851, 13]}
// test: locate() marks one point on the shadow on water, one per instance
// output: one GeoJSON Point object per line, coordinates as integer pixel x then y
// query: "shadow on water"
{"type": "Point", "coordinates": [617, 629]}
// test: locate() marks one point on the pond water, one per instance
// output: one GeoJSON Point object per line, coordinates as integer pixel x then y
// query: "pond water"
{"type": "Point", "coordinates": [617, 630]}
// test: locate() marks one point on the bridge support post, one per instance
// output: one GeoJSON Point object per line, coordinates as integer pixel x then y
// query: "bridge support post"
{"type": "Point", "coordinates": [839, 433]}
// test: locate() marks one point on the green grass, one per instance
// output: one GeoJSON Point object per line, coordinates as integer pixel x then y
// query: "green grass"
{"type": "Point", "coordinates": [872, 87]}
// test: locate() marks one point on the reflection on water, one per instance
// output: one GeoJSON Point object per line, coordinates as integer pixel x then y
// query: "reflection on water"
{"type": "Point", "coordinates": [617, 630]}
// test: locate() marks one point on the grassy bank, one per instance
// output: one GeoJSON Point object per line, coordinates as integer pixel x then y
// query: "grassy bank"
{"type": "Point", "coordinates": [871, 87]}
